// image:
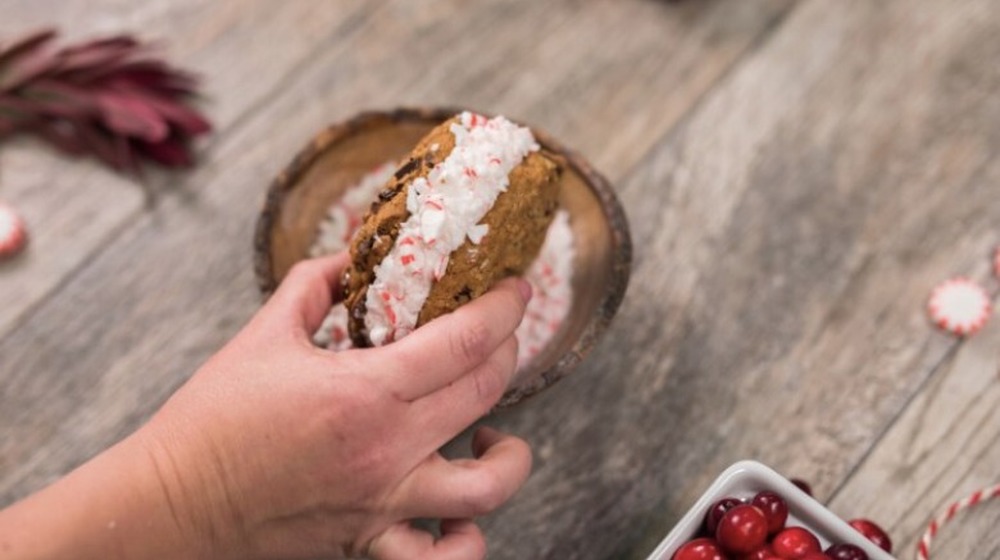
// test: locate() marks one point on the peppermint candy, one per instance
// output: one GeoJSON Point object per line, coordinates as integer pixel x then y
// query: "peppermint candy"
{"type": "Point", "coordinates": [13, 234]}
{"type": "Point", "coordinates": [924, 546]}
{"type": "Point", "coordinates": [959, 306]}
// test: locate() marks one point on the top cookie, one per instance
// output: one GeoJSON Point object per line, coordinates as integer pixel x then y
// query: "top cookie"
{"type": "Point", "coordinates": [468, 207]}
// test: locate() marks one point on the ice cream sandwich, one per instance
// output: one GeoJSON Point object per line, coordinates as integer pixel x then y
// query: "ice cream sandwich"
{"type": "Point", "coordinates": [468, 207]}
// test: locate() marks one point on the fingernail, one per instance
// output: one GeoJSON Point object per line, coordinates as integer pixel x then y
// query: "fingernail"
{"type": "Point", "coordinates": [525, 288]}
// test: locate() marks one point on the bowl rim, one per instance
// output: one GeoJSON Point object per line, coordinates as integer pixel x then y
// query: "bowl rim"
{"type": "Point", "coordinates": [621, 240]}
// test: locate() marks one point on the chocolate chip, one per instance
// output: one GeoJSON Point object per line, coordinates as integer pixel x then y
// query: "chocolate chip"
{"type": "Point", "coordinates": [410, 165]}
{"type": "Point", "coordinates": [365, 246]}
{"type": "Point", "coordinates": [464, 295]}
{"type": "Point", "coordinates": [358, 311]}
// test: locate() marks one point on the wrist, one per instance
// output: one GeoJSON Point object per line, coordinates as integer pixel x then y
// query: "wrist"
{"type": "Point", "coordinates": [116, 505]}
{"type": "Point", "coordinates": [190, 489]}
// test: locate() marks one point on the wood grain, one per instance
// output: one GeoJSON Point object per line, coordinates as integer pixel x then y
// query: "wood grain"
{"type": "Point", "coordinates": [787, 232]}
{"type": "Point", "coordinates": [96, 358]}
{"type": "Point", "coordinates": [942, 448]}
{"type": "Point", "coordinates": [74, 208]}
{"type": "Point", "coordinates": [787, 237]}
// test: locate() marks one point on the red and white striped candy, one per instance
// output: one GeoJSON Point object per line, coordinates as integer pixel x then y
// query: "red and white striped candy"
{"type": "Point", "coordinates": [924, 546]}
{"type": "Point", "coordinates": [13, 234]}
{"type": "Point", "coordinates": [959, 306]}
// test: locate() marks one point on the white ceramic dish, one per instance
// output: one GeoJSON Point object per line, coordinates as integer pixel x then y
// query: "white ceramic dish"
{"type": "Point", "coordinates": [746, 478]}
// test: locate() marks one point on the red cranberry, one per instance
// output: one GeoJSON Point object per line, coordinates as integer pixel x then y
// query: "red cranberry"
{"type": "Point", "coordinates": [716, 512]}
{"type": "Point", "coordinates": [700, 549]}
{"type": "Point", "coordinates": [803, 485]}
{"type": "Point", "coordinates": [815, 556]}
{"type": "Point", "coordinates": [762, 552]}
{"type": "Point", "coordinates": [795, 542]}
{"type": "Point", "coordinates": [775, 510]}
{"type": "Point", "coordinates": [846, 552]}
{"type": "Point", "coordinates": [742, 529]}
{"type": "Point", "coordinates": [873, 533]}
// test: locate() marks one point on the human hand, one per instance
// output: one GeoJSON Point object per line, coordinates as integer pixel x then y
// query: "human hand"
{"type": "Point", "coordinates": [278, 449]}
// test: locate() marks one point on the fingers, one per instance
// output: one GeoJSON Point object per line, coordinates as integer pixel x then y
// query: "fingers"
{"type": "Point", "coordinates": [306, 294]}
{"type": "Point", "coordinates": [445, 413]}
{"type": "Point", "coordinates": [455, 491]}
{"type": "Point", "coordinates": [467, 488]}
{"type": "Point", "coordinates": [460, 539]}
{"type": "Point", "coordinates": [447, 348]}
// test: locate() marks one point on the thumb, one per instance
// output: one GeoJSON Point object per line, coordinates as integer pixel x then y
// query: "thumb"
{"type": "Point", "coordinates": [306, 294]}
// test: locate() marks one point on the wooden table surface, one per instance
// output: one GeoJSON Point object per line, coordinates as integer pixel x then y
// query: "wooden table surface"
{"type": "Point", "coordinates": [797, 175]}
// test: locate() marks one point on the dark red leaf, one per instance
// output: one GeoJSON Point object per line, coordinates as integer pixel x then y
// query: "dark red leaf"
{"type": "Point", "coordinates": [62, 135]}
{"type": "Point", "coordinates": [24, 109]}
{"type": "Point", "coordinates": [127, 155]}
{"type": "Point", "coordinates": [188, 120]}
{"type": "Point", "coordinates": [172, 152]}
{"type": "Point", "coordinates": [97, 57]}
{"type": "Point", "coordinates": [171, 83]}
{"type": "Point", "coordinates": [117, 42]}
{"type": "Point", "coordinates": [7, 128]}
{"type": "Point", "coordinates": [25, 68]}
{"type": "Point", "coordinates": [27, 43]}
{"type": "Point", "coordinates": [100, 142]}
{"type": "Point", "coordinates": [96, 73]}
{"type": "Point", "coordinates": [62, 99]}
{"type": "Point", "coordinates": [129, 116]}
{"type": "Point", "coordinates": [12, 118]}
{"type": "Point", "coordinates": [15, 108]}
{"type": "Point", "coordinates": [107, 97]}
{"type": "Point", "coordinates": [18, 115]}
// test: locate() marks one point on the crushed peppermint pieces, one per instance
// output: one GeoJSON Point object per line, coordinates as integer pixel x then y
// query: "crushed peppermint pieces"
{"type": "Point", "coordinates": [334, 234]}
{"type": "Point", "coordinates": [344, 216]}
{"type": "Point", "coordinates": [550, 275]}
{"type": "Point", "coordinates": [13, 234]}
{"type": "Point", "coordinates": [445, 208]}
{"type": "Point", "coordinates": [959, 306]}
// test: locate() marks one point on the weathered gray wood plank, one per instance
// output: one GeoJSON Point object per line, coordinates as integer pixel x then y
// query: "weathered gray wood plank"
{"type": "Point", "coordinates": [787, 237]}
{"type": "Point", "coordinates": [98, 357]}
{"type": "Point", "coordinates": [73, 208]}
{"type": "Point", "coordinates": [942, 448]}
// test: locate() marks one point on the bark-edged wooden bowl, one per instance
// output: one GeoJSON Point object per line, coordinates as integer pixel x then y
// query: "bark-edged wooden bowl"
{"type": "Point", "coordinates": [339, 156]}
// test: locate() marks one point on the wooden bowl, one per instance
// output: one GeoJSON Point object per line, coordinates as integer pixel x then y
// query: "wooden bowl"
{"type": "Point", "coordinates": [339, 156]}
